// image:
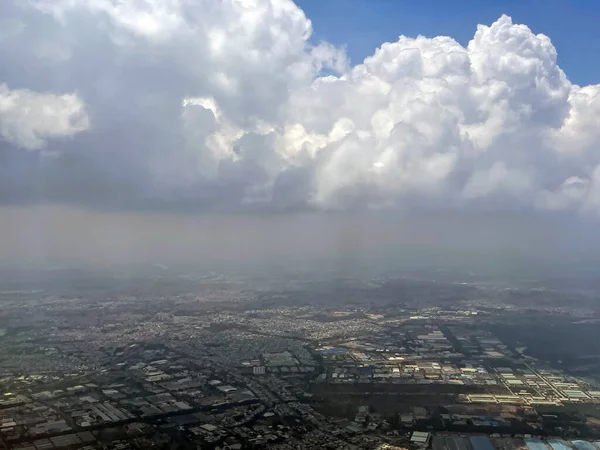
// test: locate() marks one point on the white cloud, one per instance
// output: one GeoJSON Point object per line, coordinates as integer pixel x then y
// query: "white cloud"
{"type": "Point", "coordinates": [28, 119]}
{"type": "Point", "coordinates": [244, 109]}
{"type": "Point", "coordinates": [580, 131]}
{"type": "Point", "coordinates": [150, 19]}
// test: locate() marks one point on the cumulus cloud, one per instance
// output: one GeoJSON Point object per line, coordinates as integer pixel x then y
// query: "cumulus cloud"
{"type": "Point", "coordinates": [230, 104]}
{"type": "Point", "coordinates": [28, 119]}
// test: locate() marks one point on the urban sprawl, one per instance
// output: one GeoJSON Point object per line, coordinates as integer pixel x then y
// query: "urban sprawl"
{"type": "Point", "coordinates": [229, 369]}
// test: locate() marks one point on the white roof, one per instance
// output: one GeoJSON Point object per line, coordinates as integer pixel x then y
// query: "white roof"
{"type": "Point", "coordinates": [419, 436]}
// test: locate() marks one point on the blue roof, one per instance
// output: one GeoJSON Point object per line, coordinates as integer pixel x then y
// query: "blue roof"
{"type": "Point", "coordinates": [535, 444]}
{"type": "Point", "coordinates": [583, 445]}
{"type": "Point", "coordinates": [481, 443]}
{"type": "Point", "coordinates": [559, 444]}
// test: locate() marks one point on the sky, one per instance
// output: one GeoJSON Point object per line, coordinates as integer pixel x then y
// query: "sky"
{"type": "Point", "coordinates": [135, 114]}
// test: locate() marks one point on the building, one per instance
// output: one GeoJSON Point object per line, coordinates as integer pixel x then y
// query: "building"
{"type": "Point", "coordinates": [420, 438]}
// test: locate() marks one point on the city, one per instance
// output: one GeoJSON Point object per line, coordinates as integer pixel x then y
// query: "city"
{"type": "Point", "coordinates": [202, 369]}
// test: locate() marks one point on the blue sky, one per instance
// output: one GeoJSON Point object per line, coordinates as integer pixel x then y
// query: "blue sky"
{"type": "Point", "coordinates": [362, 25]}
